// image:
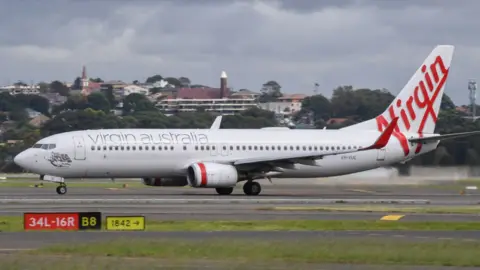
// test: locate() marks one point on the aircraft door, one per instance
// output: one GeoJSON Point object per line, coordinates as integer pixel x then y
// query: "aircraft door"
{"type": "Point", "coordinates": [79, 148]}
{"type": "Point", "coordinates": [381, 154]}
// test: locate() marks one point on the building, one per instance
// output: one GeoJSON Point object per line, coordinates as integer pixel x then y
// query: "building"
{"type": "Point", "coordinates": [227, 106]}
{"type": "Point", "coordinates": [134, 89]}
{"type": "Point", "coordinates": [245, 93]}
{"type": "Point", "coordinates": [21, 89]}
{"type": "Point", "coordinates": [87, 86]}
{"type": "Point", "coordinates": [117, 88]}
{"type": "Point", "coordinates": [286, 105]}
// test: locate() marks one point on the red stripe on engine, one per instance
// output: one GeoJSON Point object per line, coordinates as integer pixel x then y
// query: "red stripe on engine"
{"type": "Point", "coordinates": [203, 174]}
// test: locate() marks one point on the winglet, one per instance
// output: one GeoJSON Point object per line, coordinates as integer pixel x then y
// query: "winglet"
{"type": "Point", "coordinates": [383, 139]}
{"type": "Point", "coordinates": [216, 124]}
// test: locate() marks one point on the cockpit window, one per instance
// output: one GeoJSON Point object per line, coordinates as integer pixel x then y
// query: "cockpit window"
{"type": "Point", "coordinates": [44, 146]}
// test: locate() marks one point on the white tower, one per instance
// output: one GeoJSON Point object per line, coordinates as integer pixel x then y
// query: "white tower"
{"type": "Point", "coordinates": [472, 88]}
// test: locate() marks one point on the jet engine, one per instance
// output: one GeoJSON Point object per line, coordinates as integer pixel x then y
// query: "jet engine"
{"type": "Point", "coordinates": [165, 181]}
{"type": "Point", "coordinates": [212, 175]}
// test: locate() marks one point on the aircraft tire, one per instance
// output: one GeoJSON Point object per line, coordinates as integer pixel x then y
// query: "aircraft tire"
{"type": "Point", "coordinates": [224, 191]}
{"type": "Point", "coordinates": [252, 188]}
{"type": "Point", "coordinates": [61, 190]}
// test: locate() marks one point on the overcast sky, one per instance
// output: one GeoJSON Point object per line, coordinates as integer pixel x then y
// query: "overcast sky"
{"type": "Point", "coordinates": [372, 44]}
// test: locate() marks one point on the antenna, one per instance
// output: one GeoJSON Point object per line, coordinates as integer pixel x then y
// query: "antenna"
{"type": "Point", "coordinates": [472, 88]}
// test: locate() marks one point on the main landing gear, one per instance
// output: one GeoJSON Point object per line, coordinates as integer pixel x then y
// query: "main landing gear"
{"type": "Point", "coordinates": [62, 189]}
{"type": "Point", "coordinates": [249, 188]}
{"type": "Point", "coordinates": [252, 188]}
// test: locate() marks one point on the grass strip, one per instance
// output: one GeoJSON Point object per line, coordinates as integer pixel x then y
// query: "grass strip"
{"type": "Point", "coordinates": [351, 251]}
{"type": "Point", "coordinates": [15, 224]}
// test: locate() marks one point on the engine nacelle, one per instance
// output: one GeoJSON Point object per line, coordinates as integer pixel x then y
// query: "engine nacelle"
{"type": "Point", "coordinates": [165, 181]}
{"type": "Point", "coordinates": [212, 175]}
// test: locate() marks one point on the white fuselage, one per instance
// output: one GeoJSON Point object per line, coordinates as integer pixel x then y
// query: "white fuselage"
{"type": "Point", "coordinates": [122, 153]}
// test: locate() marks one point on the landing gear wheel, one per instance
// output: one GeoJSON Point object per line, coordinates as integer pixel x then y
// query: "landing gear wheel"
{"type": "Point", "coordinates": [252, 188]}
{"type": "Point", "coordinates": [62, 189]}
{"type": "Point", "coordinates": [224, 191]}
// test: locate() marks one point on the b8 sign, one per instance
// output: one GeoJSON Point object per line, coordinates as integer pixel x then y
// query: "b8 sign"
{"type": "Point", "coordinates": [62, 221]}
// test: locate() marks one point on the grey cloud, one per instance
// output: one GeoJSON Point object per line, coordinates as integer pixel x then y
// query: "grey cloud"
{"type": "Point", "coordinates": [371, 43]}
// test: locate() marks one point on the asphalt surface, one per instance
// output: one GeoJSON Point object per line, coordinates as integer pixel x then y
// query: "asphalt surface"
{"type": "Point", "coordinates": [171, 203]}
{"type": "Point", "coordinates": [320, 193]}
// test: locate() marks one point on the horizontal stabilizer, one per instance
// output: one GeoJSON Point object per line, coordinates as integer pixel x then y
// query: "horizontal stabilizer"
{"type": "Point", "coordinates": [383, 139]}
{"type": "Point", "coordinates": [444, 137]}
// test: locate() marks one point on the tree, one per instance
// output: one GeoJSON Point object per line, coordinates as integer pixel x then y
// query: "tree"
{"type": "Point", "coordinates": [98, 101]}
{"type": "Point", "coordinates": [174, 81]}
{"type": "Point", "coordinates": [137, 102]}
{"type": "Point", "coordinates": [184, 81]}
{"type": "Point", "coordinates": [319, 105]}
{"type": "Point", "coordinates": [154, 79]}
{"type": "Point", "coordinates": [59, 87]}
{"type": "Point", "coordinates": [270, 91]}
{"type": "Point", "coordinates": [77, 83]}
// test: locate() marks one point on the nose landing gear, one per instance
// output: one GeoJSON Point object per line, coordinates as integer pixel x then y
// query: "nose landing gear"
{"type": "Point", "coordinates": [62, 188]}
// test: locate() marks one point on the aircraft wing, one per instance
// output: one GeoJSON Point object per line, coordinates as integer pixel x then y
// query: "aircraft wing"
{"type": "Point", "coordinates": [443, 137]}
{"type": "Point", "coordinates": [379, 143]}
{"type": "Point", "coordinates": [216, 124]}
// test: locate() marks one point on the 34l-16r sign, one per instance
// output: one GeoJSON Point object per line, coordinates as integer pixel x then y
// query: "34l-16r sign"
{"type": "Point", "coordinates": [62, 221]}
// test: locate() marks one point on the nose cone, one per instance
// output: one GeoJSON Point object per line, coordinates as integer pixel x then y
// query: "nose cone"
{"type": "Point", "coordinates": [21, 159]}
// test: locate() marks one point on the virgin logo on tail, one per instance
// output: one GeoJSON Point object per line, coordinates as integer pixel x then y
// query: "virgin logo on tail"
{"type": "Point", "coordinates": [420, 101]}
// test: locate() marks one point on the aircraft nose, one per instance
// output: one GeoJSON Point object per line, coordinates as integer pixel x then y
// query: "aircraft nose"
{"type": "Point", "coordinates": [21, 159]}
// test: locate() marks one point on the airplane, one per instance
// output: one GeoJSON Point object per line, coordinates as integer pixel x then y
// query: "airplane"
{"type": "Point", "coordinates": [222, 158]}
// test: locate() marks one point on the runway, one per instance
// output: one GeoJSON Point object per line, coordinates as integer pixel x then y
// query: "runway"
{"type": "Point", "coordinates": [301, 194]}
{"type": "Point", "coordinates": [171, 203]}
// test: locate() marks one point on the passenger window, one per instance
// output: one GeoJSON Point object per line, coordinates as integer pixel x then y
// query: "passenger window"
{"type": "Point", "coordinates": [128, 147]}
{"type": "Point", "coordinates": [99, 148]}
{"type": "Point", "coordinates": [201, 147]}
{"type": "Point", "coordinates": [261, 147]}
{"type": "Point", "coordinates": [238, 148]}
{"type": "Point", "coordinates": [224, 148]}
{"type": "Point", "coordinates": [196, 147]}
{"type": "Point", "coordinates": [116, 148]}
{"type": "Point", "coordinates": [231, 147]}
{"type": "Point", "coordinates": [244, 148]}
{"type": "Point", "coordinates": [304, 148]}
{"type": "Point", "coordinates": [110, 148]}
{"type": "Point", "coordinates": [171, 147]}
{"type": "Point", "coordinates": [93, 147]}
{"type": "Point", "coordinates": [255, 147]}
{"type": "Point", "coordinates": [134, 148]}
{"type": "Point", "coordinates": [184, 147]}
{"type": "Point", "coordinates": [207, 147]}
{"type": "Point", "coordinates": [140, 148]}
{"type": "Point", "coordinates": [249, 147]}
{"type": "Point", "coordinates": [166, 147]}
{"type": "Point", "coordinates": [266, 147]}
{"type": "Point", "coordinates": [146, 147]}
{"type": "Point", "coordinates": [121, 147]}
{"type": "Point", "coordinates": [213, 147]}
{"type": "Point", "coordinates": [153, 147]}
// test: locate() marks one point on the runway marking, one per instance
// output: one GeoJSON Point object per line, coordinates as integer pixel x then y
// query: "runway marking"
{"type": "Point", "coordinates": [362, 191]}
{"type": "Point", "coordinates": [392, 217]}
{"type": "Point", "coordinates": [199, 200]}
